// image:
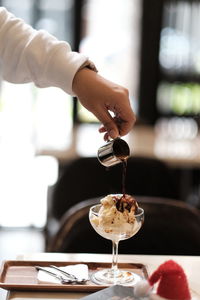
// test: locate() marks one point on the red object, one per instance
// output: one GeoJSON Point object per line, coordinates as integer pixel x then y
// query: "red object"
{"type": "Point", "coordinates": [173, 283]}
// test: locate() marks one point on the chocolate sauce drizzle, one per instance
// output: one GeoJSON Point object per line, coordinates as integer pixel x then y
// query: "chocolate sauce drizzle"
{"type": "Point", "coordinates": [124, 168]}
{"type": "Point", "coordinates": [125, 201]}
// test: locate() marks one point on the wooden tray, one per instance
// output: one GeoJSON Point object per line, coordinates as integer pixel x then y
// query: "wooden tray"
{"type": "Point", "coordinates": [22, 275]}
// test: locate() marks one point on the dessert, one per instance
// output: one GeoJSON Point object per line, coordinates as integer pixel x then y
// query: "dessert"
{"type": "Point", "coordinates": [116, 217]}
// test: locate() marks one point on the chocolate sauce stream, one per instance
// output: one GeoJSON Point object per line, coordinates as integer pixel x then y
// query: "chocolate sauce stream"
{"type": "Point", "coordinates": [124, 168]}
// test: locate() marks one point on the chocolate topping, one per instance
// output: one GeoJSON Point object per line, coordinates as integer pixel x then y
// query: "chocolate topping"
{"type": "Point", "coordinates": [125, 202]}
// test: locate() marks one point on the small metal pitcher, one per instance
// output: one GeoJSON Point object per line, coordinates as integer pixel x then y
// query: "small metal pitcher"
{"type": "Point", "coordinates": [113, 152]}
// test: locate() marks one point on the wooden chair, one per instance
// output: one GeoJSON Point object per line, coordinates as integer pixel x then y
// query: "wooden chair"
{"type": "Point", "coordinates": [85, 178]}
{"type": "Point", "coordinates": [171, 227]}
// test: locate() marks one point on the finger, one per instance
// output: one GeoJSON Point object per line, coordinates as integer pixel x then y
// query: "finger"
{"type": "Point", "coordinates": [108, 122]}
{"type": "Point", "coordinates": [125, 122]}
{"type": "Point", "coordinates": [123, 126]}
{"type": "Point", "coordinates": [106, 137]}
{"type": "Point", "coordinates": [102, 129]}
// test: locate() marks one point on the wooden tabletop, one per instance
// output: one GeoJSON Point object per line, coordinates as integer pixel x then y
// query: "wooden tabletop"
{"type": "Point", "coordinates": [191, 265]}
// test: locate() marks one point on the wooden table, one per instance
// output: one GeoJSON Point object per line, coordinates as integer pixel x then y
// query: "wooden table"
{"type": "Point", "coordinates": [191, 265]}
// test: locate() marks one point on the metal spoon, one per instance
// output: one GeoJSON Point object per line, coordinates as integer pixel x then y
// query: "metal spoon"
{"type": "Point", "coordinates": [71, 276]}
{"type": "Point", "coordinates": [61, 278]}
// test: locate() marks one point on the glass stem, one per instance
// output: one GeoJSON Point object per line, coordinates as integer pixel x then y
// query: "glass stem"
{"type": "Point", "coordinates": [115, 256]}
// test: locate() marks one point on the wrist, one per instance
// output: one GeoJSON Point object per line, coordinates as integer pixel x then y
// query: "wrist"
{"type": "Point", "coordinates": [89, 65]}
{"type": "Point", "coordinates": [82, 76]}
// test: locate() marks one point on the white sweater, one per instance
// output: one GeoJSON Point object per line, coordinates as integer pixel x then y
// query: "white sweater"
{"type": "Point", "coordinates": [28, 55]}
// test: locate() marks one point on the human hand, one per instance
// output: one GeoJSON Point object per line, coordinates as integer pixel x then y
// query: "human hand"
{"type": "Point", "coordinates": [100, 96]}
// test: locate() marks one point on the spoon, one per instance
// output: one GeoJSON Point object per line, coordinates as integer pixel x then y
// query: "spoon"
{"type": "Point", "coordinates": [60, 277]}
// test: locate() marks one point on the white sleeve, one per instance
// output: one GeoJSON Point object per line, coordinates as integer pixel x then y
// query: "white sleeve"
{"type": "Point", "coordinates": [28, 55]}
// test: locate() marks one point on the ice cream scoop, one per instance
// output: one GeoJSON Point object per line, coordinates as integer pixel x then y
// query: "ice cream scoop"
{"type": "Point", "coordinates": [116, 217]}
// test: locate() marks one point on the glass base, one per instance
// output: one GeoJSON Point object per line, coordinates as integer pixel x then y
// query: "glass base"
{"type": "Point", "coordinates": [113, 277]}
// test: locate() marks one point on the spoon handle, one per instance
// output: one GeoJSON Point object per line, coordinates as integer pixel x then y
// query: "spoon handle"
{"type": "Point", "coordinates": [71, 276]}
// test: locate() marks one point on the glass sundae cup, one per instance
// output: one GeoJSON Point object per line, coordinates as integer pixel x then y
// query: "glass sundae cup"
{"type": "Point", "coordinates": [117, 218]}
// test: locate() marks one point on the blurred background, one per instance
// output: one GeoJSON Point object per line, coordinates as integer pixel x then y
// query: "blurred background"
{"type": "Point", "coordinates": [152, 48]}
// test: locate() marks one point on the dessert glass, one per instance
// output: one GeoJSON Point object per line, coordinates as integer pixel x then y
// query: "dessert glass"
{"type": "Point", "coordinates": [114, 275]}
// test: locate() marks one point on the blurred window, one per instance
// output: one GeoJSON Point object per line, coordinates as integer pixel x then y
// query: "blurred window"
{"type": "Point", "coordinates": [32, 121]}
{"type": "Point", "coordinates": [111, 37]}
{"type": "Point", "coordinates": [179, 58]}
{"type": "Point", "coordinates": [179, 98]}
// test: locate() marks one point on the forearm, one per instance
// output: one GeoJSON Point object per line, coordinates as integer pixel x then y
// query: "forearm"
{"type": "Point", "coordinates": [28, 55]}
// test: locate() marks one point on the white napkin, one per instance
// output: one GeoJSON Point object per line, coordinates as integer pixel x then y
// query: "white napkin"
{"type": "Point", "coordinates": [79, 270]}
